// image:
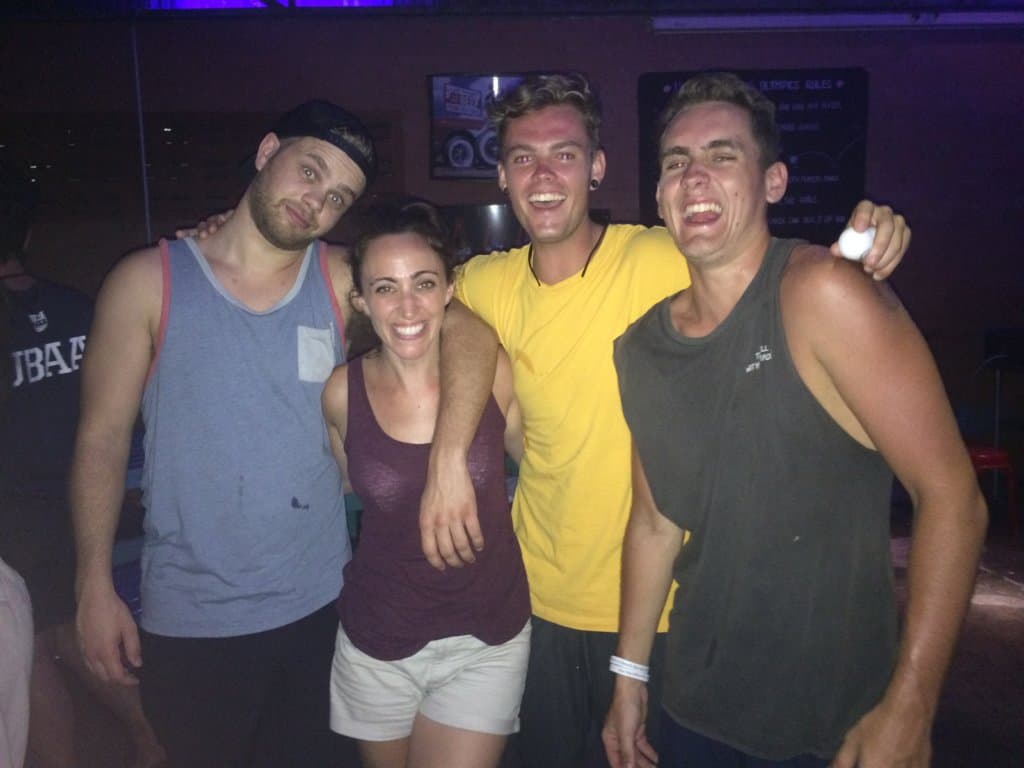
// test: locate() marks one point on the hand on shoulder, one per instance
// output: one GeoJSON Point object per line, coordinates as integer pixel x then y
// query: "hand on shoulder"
{"type": "Point", "coordinates": [205, 227]}
{"type": "Point", "coordinates": [891, 238]}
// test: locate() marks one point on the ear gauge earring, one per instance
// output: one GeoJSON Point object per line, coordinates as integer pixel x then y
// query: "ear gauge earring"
{"type": "Point", "coordinates": [594, 184]}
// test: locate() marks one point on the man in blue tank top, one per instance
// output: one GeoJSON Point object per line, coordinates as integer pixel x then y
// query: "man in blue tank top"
{"type": "Point", "coordinates": [225, 345]}
{"type": "Point", "coordinates": [769, 405]}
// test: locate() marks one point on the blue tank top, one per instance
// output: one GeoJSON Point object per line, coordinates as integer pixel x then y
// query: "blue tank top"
{"type": "Point", "coordinates": [245, 526]}
{"type": "Point", "coordinates": [394, 601]}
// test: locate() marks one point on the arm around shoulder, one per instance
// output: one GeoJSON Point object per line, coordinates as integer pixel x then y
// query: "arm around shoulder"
{"type": "Point", "coordinates": [449, 526]}
{"type": "Point", "coordinates": [469, 350]}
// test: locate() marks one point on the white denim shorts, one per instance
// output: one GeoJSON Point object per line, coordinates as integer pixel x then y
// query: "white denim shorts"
{"type": "Point", "coordinates": [458, 681]}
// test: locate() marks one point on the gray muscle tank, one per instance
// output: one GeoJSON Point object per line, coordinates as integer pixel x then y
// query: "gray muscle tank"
{"type": "Point", "coordinates": [783, 631]}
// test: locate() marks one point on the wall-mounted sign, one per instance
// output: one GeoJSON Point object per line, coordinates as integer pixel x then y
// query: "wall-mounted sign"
{"type": "Point", "coordinates": [463, 145]}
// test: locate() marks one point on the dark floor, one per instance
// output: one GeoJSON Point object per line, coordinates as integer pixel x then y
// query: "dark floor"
{"type": "Point", "coordinates": [980, 723]}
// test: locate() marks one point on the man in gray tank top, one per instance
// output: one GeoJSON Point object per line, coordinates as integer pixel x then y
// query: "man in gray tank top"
{"type": "Point", "coordinates": [225, 345]}
{"type": "Point", "coordinates": [769, 405]}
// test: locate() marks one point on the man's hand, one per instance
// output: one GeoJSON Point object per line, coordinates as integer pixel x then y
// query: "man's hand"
{"type": "Point", "coordinates": [108, 636]}
{"type": "Point", "coordinates": [892, 238]}
{"type": "Point", "coordinates": [205, 227]}
{"type": "Point", "coordinates": [449, 527]}
{"type": "Point", "coordinates": [624, 734]}
{"type": "Point", "coordinates": [895, 734]}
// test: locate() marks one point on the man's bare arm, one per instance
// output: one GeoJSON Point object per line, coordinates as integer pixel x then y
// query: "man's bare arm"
{"type": "Point", "coordinates": [118, 355]}
{"type": "Point", "coordinates": [651, 544]}
{"type": "Point", "coordinates": [862, 357]}
{"type": "Point", "coordinates": [449, 528]}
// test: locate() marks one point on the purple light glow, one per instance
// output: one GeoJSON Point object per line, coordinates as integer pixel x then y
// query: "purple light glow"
{"type": "Point", "coordinates": [220, 5]}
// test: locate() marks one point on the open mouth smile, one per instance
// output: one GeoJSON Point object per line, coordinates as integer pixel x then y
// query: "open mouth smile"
{"type": "Point", "coordinates": [409, 331]}
{"type": "Point", "coordinates": [544, 199]}
{"type": "Point", "coordinates": [701, 213]}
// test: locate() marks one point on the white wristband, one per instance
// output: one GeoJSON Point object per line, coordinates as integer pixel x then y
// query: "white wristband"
{"type": "Point", "coordinates": [627, 668]}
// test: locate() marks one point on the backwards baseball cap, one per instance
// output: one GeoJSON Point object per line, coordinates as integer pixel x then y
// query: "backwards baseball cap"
{"type": "Point", "coordinates": [329, 122]}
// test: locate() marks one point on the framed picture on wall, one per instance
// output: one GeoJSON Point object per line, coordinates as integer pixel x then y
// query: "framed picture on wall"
{"type": "Point", "coordinates": [462, 143]}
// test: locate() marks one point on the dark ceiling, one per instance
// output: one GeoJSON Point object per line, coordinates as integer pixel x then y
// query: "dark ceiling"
{"type": "Point", "coordinates": [43, 9]}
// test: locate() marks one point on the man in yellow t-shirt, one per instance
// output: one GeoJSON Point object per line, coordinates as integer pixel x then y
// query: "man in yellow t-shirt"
{"type": "Point", "coordinates": [573, 491]}
{"type": "Point", "coordinates": [557, 306]}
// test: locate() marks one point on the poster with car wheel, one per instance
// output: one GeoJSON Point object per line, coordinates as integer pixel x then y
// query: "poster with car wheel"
{"type": "Point", "coordinates": [463, 145]}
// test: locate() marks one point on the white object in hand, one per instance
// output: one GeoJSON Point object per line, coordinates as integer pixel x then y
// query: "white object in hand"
{"type": "Point", "coordinates": [855, 245]}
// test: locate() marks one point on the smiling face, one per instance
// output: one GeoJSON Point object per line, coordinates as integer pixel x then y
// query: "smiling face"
{"type": "Point", "coordinates": [404, 293]}
{"type": "Point", "coordinates": [712, 191]}
{"type": "Point", "coordinates": [547, 164]}
{"type": "Point", "coordinates": [302, 189]}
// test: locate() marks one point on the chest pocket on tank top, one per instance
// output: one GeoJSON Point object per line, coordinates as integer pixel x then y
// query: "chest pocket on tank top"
{"type": "Point", "coordinates": [316, 353]}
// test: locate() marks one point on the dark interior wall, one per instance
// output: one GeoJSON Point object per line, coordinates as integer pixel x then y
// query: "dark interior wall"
{"type": "Point", "coordinates": [945, 116]}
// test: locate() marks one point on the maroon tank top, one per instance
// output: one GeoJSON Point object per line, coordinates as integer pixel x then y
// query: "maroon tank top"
{"type": "Point", "coordinates": [394, 602]}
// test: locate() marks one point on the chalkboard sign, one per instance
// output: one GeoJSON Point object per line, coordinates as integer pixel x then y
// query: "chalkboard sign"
{"type": "Point", "coordinates": [822, 116]}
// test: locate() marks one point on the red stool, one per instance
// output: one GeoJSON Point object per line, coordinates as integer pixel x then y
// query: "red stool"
{"type": "Point", "coordinates": [986, 458]}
